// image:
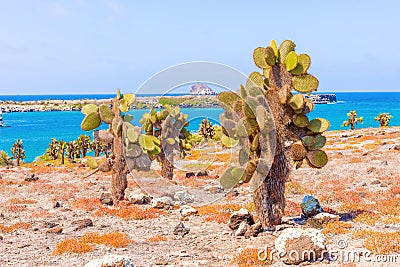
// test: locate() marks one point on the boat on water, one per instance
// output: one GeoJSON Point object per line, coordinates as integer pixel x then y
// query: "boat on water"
{"type": "Point", "coordinates": [1, 120]}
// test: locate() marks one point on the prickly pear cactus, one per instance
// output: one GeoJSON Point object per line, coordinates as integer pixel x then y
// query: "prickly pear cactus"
{"type": "Point", "coordinates": [353, 119]}
{"type": "Point", "coordinates": [115, 117]}
{"type": "Point", "coordinates": [269, 121]}
{"type": "Point", "coordinates": [206, 129]}
{"type": "Point", "coordinates": [165, 132]}
{"type": "Point", "coordinates": [384, 119]}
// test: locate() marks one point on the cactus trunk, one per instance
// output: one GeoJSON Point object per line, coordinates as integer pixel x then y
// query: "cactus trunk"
{"type": "Point", "coordinates": [120, 169]}
{"type": "Point", "coordinates": [167, 168]}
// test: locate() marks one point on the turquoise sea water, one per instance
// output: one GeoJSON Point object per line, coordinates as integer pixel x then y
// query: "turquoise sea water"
{"type": "Point", "coordinates": [37, 128]}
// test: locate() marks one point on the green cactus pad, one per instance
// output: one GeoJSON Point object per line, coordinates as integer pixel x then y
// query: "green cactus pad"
{"type": "Point", "coordinates": [291, 61]}
{"type": "Point", "coordinates": [270, 57]}
{"type": "Point", "coordinates": [284, 49]}
{"type": "Point", "coordinates": [146, 142]}
{"type": "Point", "coordinates": [318, 125]}
{"type": "Point", "coordinates": [300, 120]}
{"type": "Point", "coordinates": [243, 156]}
{"type": "Point", "coordinates": [116, 126]}
{"type": "Point", "coordinates": [320, 141]}
{"type": "Point", "coordinates": [274, 47]}
{"type": "Point", "coordinates": [228, 98]}
{"type": "Point", "coordinates": [129, 98]}
{"type": "Point", "coordinates": [134, 150]}
{"type": "Point", "coordinates": [266, 72]}
{"type": "Point", "coordinates": [123, 105]}
{"type": "Point", "coordinates": [128, 118]}
{"type": "Point", "coordinates": [297, 102]}
{"type": "Point", "coordinates": [132, 135]}
{"type": "Point", "coordinates": [317, 158]}
{"type": "Point", "coordinates": [308, 140]}
{"type": "Point", "coordinates": [106, 114]}
{"type": "Point", "coordinates": [256, 143]}
{"type": "Point", "coordinates": [250, 107]}
{"type": "Point", "coordinates": [103, 136]}
{"type": "Point", "coordinates": [91, 121]}
{"type": "Point", "coordinates": [142, 163]}
{"type": "Point", "coordinates": [232, 176]}
{"type": "Point", "coordinates": [305, 83]}
{"type": "Point", "coordinates": [303, 63]}
{"type": "Point", "coordinates": [255, 91]}
{"type": "Point", "coordinates": [298, 151]}
{"type": "Point", "coordinates": [308, 107]}
{"type": "Point", "coordinates": [255, 79]}
{"type": "Point", "coordinates": [259, 57]}
{"type": "Point", "coordinates": [89, 108]}
{"type": "Point", "coordinates": [229, 142]}
{"type": "Point", "coordinates": [92, 163]}
{"type": "Point", "coordinates": [261, 116]}
{"type": "Point", "coordinates": [227, 126]}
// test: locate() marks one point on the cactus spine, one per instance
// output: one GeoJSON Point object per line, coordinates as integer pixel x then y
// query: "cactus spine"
{"type": "Point", "coordinates": [249, 118]}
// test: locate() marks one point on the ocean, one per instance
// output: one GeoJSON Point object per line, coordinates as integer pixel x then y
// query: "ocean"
{"type": "Point", "coordinates": [37, 128]}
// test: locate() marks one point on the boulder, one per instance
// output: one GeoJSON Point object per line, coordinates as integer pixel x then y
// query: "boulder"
{"type": "Point", "coordinates": [139, 198]}
{"type": "Point", "coordinates": [106, 198]}
{"type": "Point", "coordinates": [31, 177]}
{"type": "Point", "coordinates": [242, 229]}
{"type": "Point", "coordinates": [253, 230]}
{"type": "Point", "coordinates": [80, 224]}
{"type": "Point", "coordinates": [190, 174]}
{"type": "Point", "coordinates": [162, 203]}
{"type": "Point", "coordinates": [183, 197]}
{"type": "Point", "coordinates": [181, 230]}
{"type": "Point", "coordinates": [111, 261]}
{"type": "Point", "coordinates": [239, 216]}
{"type": "Point", "coordinates": [187, 211]}
{"type": "Point", "coordinates": [296, 245]}
{"type": "Point", "coordinates": [310, 206]}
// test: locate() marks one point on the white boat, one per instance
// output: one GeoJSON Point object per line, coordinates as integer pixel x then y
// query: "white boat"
{"type": "Point", "coordinates": [1, 120]}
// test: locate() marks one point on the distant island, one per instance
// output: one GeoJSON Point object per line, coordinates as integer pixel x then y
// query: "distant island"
{"type": "Point", "coordinates": [322, 98]}
{"type": "Point", "coordinates": [201, 89]}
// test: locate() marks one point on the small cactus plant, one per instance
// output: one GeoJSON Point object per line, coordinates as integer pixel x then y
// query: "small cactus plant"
{"type": "Point", "coordinates": [384, 119]}
{"type": "Point", "coordinates": [18, 152]}
{"type": "Point", "coordinates": [165, 132]}
{"type": "Point", "coordinates": [207, 129]}
{"type": "Point", "coordinates": [271, 126]}
{"type": "Point", "coordinates": [53, 149]}
{"type": "Point", "coordinates": [116, 118]}
{"type": "Point", "coordinates": [353, 120]}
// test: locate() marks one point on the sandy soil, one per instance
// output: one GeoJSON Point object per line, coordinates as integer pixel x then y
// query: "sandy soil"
{"type": "Point", "coordinates": [361, 183]}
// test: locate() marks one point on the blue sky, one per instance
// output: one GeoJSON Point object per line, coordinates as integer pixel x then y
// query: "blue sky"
{"type": "Point", "coordinates": [83, 46]}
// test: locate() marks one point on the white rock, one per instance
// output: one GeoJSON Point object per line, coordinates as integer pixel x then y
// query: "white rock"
{"type": "Point", "coordinates": [187, 211]}
{"type": "Point", "coordinates": [325, 217]}
{"type": "Point", "coordinates": [111, 261]}
{"type": "Point", "coordinates": [183, 197]}
{"type": "Point", "coordinates": [162, 203]}
{"type": "Point", "coordinates": [296, 245]}
{"type": "Point", "coordinates": [139, 198]}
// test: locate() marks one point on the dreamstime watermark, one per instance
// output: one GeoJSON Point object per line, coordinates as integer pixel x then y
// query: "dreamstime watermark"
{"type": "Point", "coordinates": [339, 254]}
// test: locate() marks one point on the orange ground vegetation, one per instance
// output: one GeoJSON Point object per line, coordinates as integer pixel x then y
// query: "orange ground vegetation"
{"type": "Point", "coordinates": [21, 201]}
{"type": "Point", "coordinates": [222, 217]}
{"type": "Point", "coordinates": [249, 257]}
{"type": "Point", "coordinates": [156, 239]}
{"type": "Point", "coordinates": [130, 212]}
{"type": "Point", "coordinates": [217, 208]}
{"type": "Point", "coordinates": [16, 226]}
{"type": "Point", "coordinates": [337, 228]}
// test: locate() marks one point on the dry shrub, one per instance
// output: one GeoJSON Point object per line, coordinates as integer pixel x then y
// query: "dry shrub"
{"type": "Point", "coordinates": [222, 217]}
{"type": "Point", "coordinates": [21, 201]}
{"type": "Point", "coordinates": [217, 208]}
{"type": "Point", "coordinates": [113, 239]}
{"type": "Point", "coordinates": [72, 245]}
{"type": "Point", "coordinates": [156, 239]}
{"type": "Point", "coordinates": [383, 242]}
{"type": "Point", "coordinates": [130, 212]}
{"type": "Point", "coordinates": [16, 226]}
{"type": "Point", "coordinates": [248, 258]}
{"type": "Point", "coordinates": [336, 228]}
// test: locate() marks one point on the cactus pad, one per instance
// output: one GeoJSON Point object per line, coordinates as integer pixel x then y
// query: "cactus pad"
{"type": "Point", "coordinates": [274, 47]}
{"type": "Point", "coordinates": [300, 120]}
{"type": "Point", "coordinates": [308, 140]}
{"type": "Point", "coordinates": [303, 63]}
{"type": "Point", "coordinates": [270, 57]}
{"type": "Point", "coordinates": [255, 79]}
{"type": "Point", "coordinates": [89, 108]}
{"type": "Point", "coordinates": [92, 163]}
{"type": "Point", "coordinates": [146, 142]}
{"type": "Point", "coordinates": [284, 49]}
{"type": "Point", "coordinates": [318, 125]}
{"type": "Point", "coordinates": [298, 151]}
{"type": "Point", "coordinates": [132, 134]}
{"type": "Point", "coordinates": [320, 141]}
{"type": "Point", "coordinates": [305, 83]}
{"type": "Point", "coordinates": [228, 98]}
{"type": "Point", "coordinates": [91, 121]}
{"type": "Point", "coordinates": [297, 102]}
{"type": "Point", "coordinates": [106, 114]}
{"type": "Point", "coordinates": [317, 158]}
{"type": "Point", "coordinates": [134, 150]}
{"type": "Point", "coordinates": [103, 136]}
{"type": "Point", "coordinates": [229, 142]}
{"type": "Point", "coordinates": [291, 61]}
{"type": "Point", "coordinates": [259, 57]}
{"type": "Point", "coordinates": [232, 177]}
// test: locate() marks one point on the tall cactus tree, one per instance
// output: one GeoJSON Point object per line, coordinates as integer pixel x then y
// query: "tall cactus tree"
{"type": "Point", "coordinates": [53, 149]}
{"type": "Point", "coordinates": [206, 129]}
{"type": "Point", "coordinates": [63, 148]}
{"type": "Point", "coordinates": [272, 128]}
{"type": "Point", "coordinates": [18, 152]}
{"type": "Point", "coordinates": [353, 120]}
{"type": "Point", "coordinates": [115, 117]}
{"type": "Point", "coordinates": [384, 119]}
{"type": "Point", "coordinates": [165, 132]}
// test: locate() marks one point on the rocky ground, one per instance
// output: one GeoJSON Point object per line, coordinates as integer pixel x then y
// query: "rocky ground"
{"type": "Point", "coordinates": [55, 218]}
